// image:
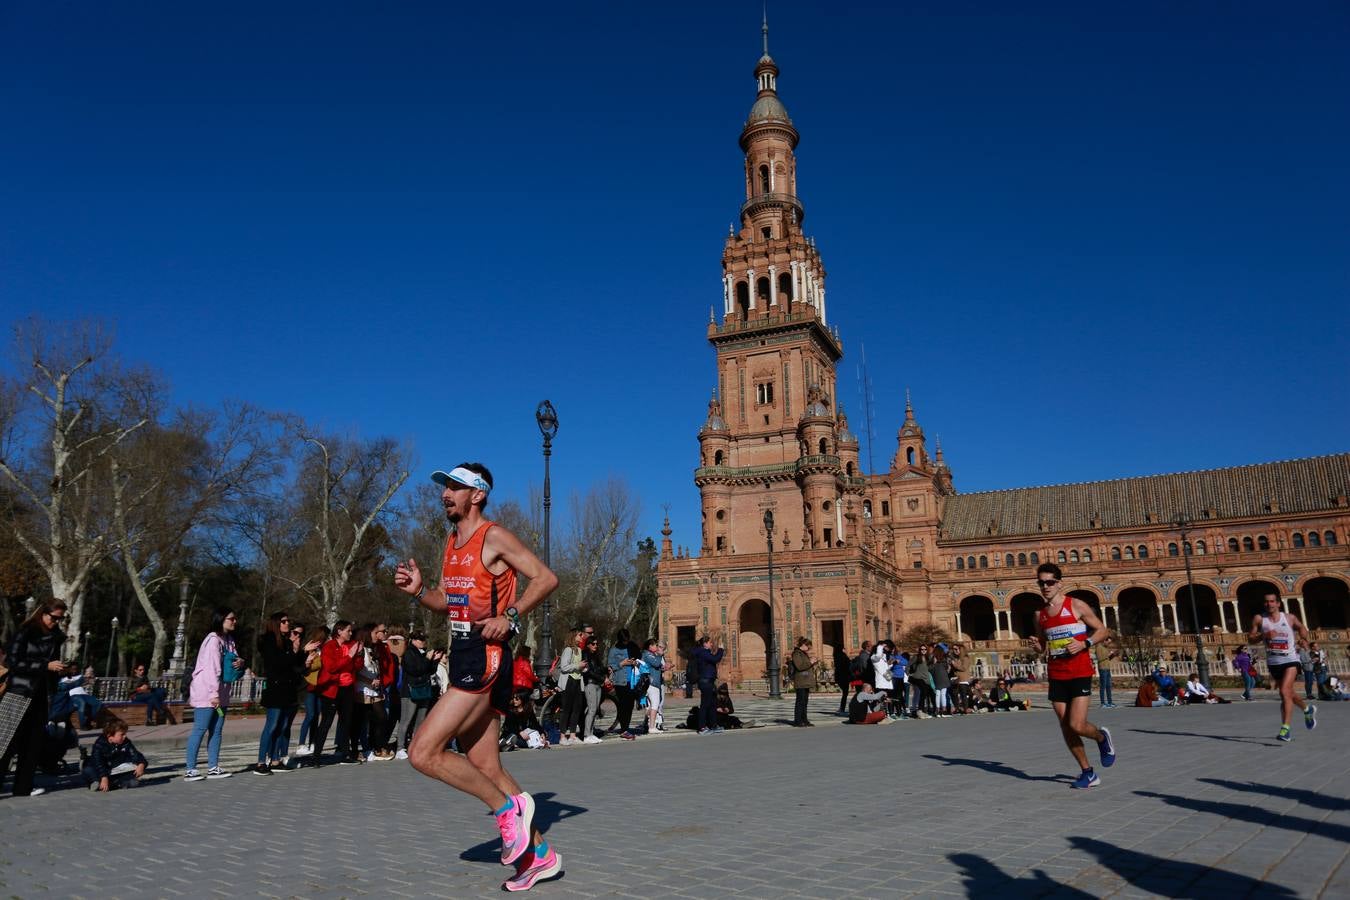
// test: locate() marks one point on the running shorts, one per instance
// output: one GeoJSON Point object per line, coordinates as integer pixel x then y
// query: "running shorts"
{"type": "Point", "coordinates": [1277, 671]}
{"type": "Point", "coordinates": [479, 666]}
{"type": "Point", "coordinates": [1062, 690]}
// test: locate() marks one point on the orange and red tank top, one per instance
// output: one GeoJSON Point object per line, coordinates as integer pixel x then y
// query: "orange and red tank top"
{"type": "Point", "coordinates": [1059, 630]}
{"type": "Point", "coordinates": [472, 593]}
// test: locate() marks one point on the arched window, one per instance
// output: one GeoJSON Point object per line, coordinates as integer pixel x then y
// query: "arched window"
{"type": "Point", "coordinates": [1262, 542]}
{"type": "Point", "coordinates": [824, 446]}
{"type": "Point", "coordinates": [885, 509]}
{"type": "Point", "coordinates": [848, 470]}
{"type": "Point", "coordinates": [1062, 557]}
{"type": "Point", "coordinates": [1073, 556]}
{"type": "Point", "coordinates": [1010, 560]}
{"type": "Point", "coordinates": [743, 298]}
{"type": "Point", "coordinates": [1186, 548]}
{"type": "Point", "coordinates": [1329, 538]}
{"type": "Point", "coordinates": [970, 562]}
{"type": "Point", "coordinates": [1298, 540]}
{"type": "Point", "coordinates": [1314, 540]}
{"type": "Point", "coordinates": [785, 289]}
{"type": "Point", "coordinates": [1021, 559]}
{"type": "Point", "coordinates": [1143, 551]}
{"type": "Point", "coordinates": [909, 455]}
{"type": "Point", "coordinates": [1035, 558]}
{"type": "Point", "coordinates": [764, 179]}
{"type": "Point", "coordinates": [762, 291]}
{"type": "Point", "coordinates": [1200, 548]}
{"type": "Point", "coordinates": [960, 563]}
{"type": "Point", "coordinates": [1173, 550]}
{"type": "Point", "coordinates": [717, 458]}
{"type": "Point", "coordinates": [1247, 545]}
{"type": "Point", "coordinates": [867, 507]}
{"type": "Point", "coordinates": [984, 562]}
{"type": "Point", "coordinates": [1233, 545]}
{"type": "Point", "coordinates": [1115, 553]}
{"type": "Point", "coordinates": [1129, 552]}
{"type": "Point", "coordinates": [1087, 555]}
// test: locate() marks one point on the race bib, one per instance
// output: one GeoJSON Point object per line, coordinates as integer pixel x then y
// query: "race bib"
{"type": "Point", "coordinates": [457, 608]}
{"type": "Point", "coordinates": [1059, 637]}
{"type": "Point", "coordinates": [1277, 644]}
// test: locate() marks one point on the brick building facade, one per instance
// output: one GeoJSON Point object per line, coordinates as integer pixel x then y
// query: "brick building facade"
{"type": "Point", "coordinates": [866, 555]}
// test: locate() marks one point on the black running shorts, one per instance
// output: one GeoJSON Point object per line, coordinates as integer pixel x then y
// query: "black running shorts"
{"type": "Point", "coordinates": [479, 666]}
{"type": "Point", "coordinates": [1062, 690]}
{"type": "Point", "coordinates": [1277, 671]}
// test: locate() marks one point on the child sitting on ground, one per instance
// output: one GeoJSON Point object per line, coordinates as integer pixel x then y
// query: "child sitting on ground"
{"type": "Point", "coordinates": [114, 762]}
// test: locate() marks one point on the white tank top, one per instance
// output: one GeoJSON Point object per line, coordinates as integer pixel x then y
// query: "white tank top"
{"type": "Point", "coordinates": [1280, 647]}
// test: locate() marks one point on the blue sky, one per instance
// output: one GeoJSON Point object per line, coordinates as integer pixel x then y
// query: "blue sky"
{"type": "Point", "coordinates": [1093, 240]}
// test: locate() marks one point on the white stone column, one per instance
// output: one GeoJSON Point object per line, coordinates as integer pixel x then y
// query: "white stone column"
{"type": "Point", "coordinates": [796, 277]}
{"type": "Point", "coordinates": [773, 285]}
{"type": "Point", "coordinates": [822, 304]}
{"type": "Point", "coordinates": [750, 283]}
{"type": "Point", "coordinates": [958, 625]}
{"type": "Point", "coordinates": [726, 294]}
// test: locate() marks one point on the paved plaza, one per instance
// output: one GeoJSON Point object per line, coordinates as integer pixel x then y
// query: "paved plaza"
{"type": "Point", "coordinates": [1202, 803]}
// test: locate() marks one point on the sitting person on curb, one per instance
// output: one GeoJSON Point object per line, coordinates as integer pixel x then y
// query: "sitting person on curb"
{"type": "Point", "coordinates": [1001, 699]}
{"type": "Point", "coordinates": [726, 717]}
{"type": "Point", "coordinates": [114, 762]}
{"type": "Point", "coordinates": [868, 707]}
{"type": "Point", "coordinates": [74, 683]}
{"type": "Point", "coordinates": [520, 726]}
{"type": "Point", "coordinates": [1196, 692]}
{"type": "Point", "coordinates": [1167, 685]}
{"type": "Point", "coordinates": [1148, 694]}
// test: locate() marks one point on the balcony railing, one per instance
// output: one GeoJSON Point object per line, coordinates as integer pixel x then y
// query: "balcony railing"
{"type": "Point", "coordinates": [771, 200]}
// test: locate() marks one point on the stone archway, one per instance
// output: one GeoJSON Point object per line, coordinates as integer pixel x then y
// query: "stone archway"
{"type": "Point", "coordinates": [1089, 598]}
{"type": "Point", "coordinates": [1251, 600]}
{"type": "Point", "coordinates": [1326, 603]}
{"type": "Point", "coordinates": [1206, 607]}
{"type": "Point", "coordinates": [1138, 610]}
{"type": "Point", "coordinates": [1022, 609]}
{"type": "Point", "coordinates": [977, 618]}
{"type": "Point", "coordinates": [753, 638]}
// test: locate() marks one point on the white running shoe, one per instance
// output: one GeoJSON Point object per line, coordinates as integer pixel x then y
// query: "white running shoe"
{"type": "Point", "coordinates": [401, 754]}
{"type": "Point", "coordinates": [591, 739]}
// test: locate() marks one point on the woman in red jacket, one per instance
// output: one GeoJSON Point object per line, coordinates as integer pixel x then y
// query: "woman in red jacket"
{"type": "Point", "coordinates": [337, 677]}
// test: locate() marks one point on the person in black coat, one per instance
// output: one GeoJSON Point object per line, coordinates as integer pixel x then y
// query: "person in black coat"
{"type": "Point", "coordinates": [284, 667]}
{"type": "Point", "coordinates": [34, 661]}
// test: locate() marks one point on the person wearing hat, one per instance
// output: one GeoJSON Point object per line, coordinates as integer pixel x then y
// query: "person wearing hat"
{"type": "Point", "coordinates": [476, 590]}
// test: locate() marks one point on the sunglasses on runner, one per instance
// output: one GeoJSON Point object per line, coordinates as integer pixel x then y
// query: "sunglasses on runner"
{"type": "Point", "coordinates": [1051, 582]}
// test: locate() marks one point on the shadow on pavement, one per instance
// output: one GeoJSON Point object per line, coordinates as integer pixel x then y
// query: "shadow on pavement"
{"type": "Point", "coordinates": [996, 768]}
{"type": "Point", "coordinates": [1175, 878]}
{"type": "Point", "coordinates": [1212, 737]}
{"type": "Point", "coordinates": [1256, 815]}
{"type": "Point", "coordinates": [1307, 798]}
{"type": "Point", "coordinates": [981, 878]}
{"type": "Point", "coordinates": [547, 811]}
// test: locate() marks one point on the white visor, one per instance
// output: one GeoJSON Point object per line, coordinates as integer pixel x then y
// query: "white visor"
{"type": "Point", "coordinates": [461, 476]}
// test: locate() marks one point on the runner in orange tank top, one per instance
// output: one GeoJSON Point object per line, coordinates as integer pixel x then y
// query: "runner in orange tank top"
{"type": "Point", "coordinates": [477, 592]}
{"type": "Point", "coordinates": [1066, 629]}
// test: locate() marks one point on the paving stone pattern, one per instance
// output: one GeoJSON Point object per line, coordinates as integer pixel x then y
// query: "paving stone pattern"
{"type": "Point", "coordinates": [1202, 803]}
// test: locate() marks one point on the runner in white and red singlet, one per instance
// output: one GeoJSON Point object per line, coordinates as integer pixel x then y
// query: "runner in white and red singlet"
{"type": "Point", "coordinates": [477, 592]}
{"type": "Point", "coordinates": [1283, 634]}
{"type": "Point", "coordinates": [1066, 629]}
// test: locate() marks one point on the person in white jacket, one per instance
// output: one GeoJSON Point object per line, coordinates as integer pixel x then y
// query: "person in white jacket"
{"type": "Point", "coordinates": [882, 658]}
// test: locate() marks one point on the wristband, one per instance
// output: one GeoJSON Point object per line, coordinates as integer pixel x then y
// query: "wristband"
{"type": "Point", "coordinates": [1087, 642]}
{"type": "Point", "coordinates": [418, 598]}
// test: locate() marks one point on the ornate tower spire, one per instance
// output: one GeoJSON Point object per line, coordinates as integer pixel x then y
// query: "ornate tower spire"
{"type": "Point", "coordinates": [667, 551]}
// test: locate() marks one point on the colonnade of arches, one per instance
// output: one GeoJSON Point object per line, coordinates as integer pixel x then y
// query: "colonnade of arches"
{"type": "Point", "coordinates": [1323, 603]}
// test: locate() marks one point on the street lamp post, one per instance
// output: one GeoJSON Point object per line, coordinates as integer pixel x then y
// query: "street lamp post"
{"type": "Point", "coordinates": [84, 657]}
{"type": "Point", "coordinates": [775, 689]}
{"type": "Point", "coordinates": [177, 662]}
{"type": "Point", "coordinates": [547, 419]}
{"type": "Point", "coordinates": [1201, 661]}
{"type": "Point", "coordinates": [112, 642]}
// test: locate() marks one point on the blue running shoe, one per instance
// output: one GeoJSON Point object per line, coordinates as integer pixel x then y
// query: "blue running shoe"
{"type": "Point", "coordinates": [1284, 734]}
{"type": "Point", "coordinates": [1310, 716]}
{"type": "Point", "coordinates": [1107, 748]}
{"type": "Point", "coordinates": [1088, 779]}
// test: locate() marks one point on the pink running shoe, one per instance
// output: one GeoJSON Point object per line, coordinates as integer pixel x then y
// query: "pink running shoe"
{"type": "Point", "coordinates": [515, 824]}
{"type": "Point", "coordinates": [538, 870]}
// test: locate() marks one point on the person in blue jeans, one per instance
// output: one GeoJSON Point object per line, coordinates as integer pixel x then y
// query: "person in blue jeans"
{"type": "Point", "coordinates": [209, 694]}
{"type": "Point", "coordinates": [707, 659]}
{"type": "Point", "coordinates": [313, 697]}
{"type": "Point", "coordinates": [1102, 655]}
{"type": "Point", "coordinates": [283, 663]}
{"type": "Point", "coordinates": [1242, 664]}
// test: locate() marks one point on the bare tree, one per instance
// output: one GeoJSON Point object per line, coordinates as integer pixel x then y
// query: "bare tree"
{"type": "Point", "coordinates": [167, 482]}
{"type": "Point", "coordinates": [66, 415]}
{"type": "Point", "coordinates": [344, 488]}
{"type": "Point", "coordinates": [597, 570]}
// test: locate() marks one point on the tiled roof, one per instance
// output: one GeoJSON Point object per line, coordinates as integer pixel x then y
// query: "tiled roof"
{"type": "Point", "coordinates": [1295, 486]}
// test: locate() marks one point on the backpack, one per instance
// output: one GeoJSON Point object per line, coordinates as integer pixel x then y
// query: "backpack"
{"type": "Point", "coordinates": [228, 673]}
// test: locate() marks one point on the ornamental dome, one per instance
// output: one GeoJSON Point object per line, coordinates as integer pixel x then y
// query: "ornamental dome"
{"type": "Point", "coordinates": [768, 108]}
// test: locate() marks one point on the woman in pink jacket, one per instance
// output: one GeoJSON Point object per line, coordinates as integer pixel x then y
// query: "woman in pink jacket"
{"type": "Point", "coordinates": [209, 694]}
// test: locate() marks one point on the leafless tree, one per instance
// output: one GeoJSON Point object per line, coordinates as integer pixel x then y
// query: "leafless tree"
{"type": "Point", "coordinates": [69, 410]}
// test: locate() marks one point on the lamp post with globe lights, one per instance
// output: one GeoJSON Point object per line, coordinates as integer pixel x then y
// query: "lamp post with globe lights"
{"type": "Point", "coordinates": [1183, 523]}
{"type": "Point", "coordinates": [775, 689]}
{"type": "Point", "coordinates": [546, 417]}
{"type": "Point", "coordinates": [112, 643]}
